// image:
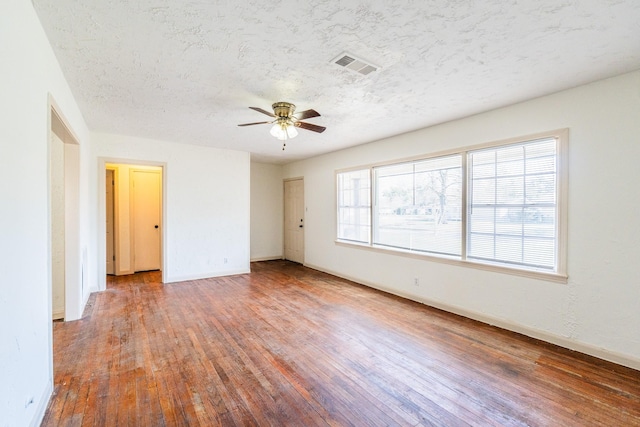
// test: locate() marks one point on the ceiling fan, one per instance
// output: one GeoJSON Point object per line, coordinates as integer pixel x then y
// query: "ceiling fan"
{"type": "Point", "coordinates": [286, 121]}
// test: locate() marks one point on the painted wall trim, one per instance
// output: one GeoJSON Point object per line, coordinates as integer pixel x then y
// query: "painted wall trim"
{"type": "Point", "coordinates": [267, 258]}
{"type": "Point", "coordinates": [177, 279]}
{"type": "Point", "coordinates": [72, 136]}
{"type": "Point", "coordinates": [611, 356]}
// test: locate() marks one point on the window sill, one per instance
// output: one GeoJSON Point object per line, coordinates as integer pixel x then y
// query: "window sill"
{"type": "Point", "coordinates": [538, 275]}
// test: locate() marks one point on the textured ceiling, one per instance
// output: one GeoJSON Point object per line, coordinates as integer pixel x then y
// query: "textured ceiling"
{"type": "Point", "coordinates": [186, 71]}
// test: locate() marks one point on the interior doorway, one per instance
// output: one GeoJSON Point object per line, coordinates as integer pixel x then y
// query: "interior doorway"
{"type": "Point", "coordinates": [294, 220]}
{"type": "Point", "coordinates": [134, 235]}
{"type": "Point", "coordinates": [64, 191]}
{"type": "Point", "coordinates": [110, 214]}
{"type": "Point", "coordinates": [57, 226]}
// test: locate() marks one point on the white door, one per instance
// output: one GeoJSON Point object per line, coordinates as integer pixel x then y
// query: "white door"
{"type": "Point", "coordinates": [146, 219]}
{"type": "Point", "coordinates": [294, 220]}
{"type": "Point", "coordinates": [111, 257]}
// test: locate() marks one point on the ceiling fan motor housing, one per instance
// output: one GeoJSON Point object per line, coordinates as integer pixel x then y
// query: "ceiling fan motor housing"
{"type": "Point", "coordinates": [283, 109]}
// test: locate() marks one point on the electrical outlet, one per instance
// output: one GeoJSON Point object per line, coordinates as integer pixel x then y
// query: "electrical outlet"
{"type": "Point", "coordinates": [416, 282]}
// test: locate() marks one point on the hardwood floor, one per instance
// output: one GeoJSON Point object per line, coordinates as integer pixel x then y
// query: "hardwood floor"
{"type": "Point", "coordinates": [287, 345]}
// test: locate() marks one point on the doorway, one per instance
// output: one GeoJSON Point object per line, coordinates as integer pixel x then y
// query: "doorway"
{"type": "Point", "coordinates": [110, 199]}
{"type": "Point", "coordinates": [294, 220]}
{"type": "Point", "coordinates": [134, 236]}
{"type": "Point", "coordinates": [64, 192]}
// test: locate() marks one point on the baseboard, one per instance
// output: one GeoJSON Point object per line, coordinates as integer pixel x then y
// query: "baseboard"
{"type": "Point", "coordinates": [176, 279]}
{"type": "Point", "coordinates": [58, 314]}
{"type": "Point", "coordinates": [266, 258]}
{"type": "Point", "coordinates": [41, 409]}
{"type": "Point", "coordinates": [86, 300]}
{"type": "Point", "coordinates": [601, 353]}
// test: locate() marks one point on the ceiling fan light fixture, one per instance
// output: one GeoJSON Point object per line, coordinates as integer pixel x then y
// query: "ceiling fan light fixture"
{"type": "Point", "coordinates": [284, 131]}
{"type": "Point", "coordinates": [292, 132]}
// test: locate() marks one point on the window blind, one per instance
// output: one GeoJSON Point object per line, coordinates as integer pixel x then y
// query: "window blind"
{"type": "Point", "coordinates": [512, 204]}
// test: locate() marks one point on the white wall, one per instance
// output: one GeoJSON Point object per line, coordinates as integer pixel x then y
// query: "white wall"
{"type": "Point", "coordinates": [205, 204]}
{"type": "Point", "coordinates": [266, 211]}
{"type": "Point", "coordinates": [598, 310]}
{"type": "Point", "coordinates": [29, 72]}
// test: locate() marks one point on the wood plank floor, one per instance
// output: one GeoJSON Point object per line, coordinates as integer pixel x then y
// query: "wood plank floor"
{"type": "Point", "coordinates": [290, 346]}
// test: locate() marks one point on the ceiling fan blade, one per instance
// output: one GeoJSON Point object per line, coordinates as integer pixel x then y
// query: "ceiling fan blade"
{"type": "Point", "coordinates": [307, 114]}
{"type": "Point", "coordinates": [260, 110]}
{"type": "Point", "coordinates": [251, 124]}
{"type": "Point", "coordinates": [309, 126]}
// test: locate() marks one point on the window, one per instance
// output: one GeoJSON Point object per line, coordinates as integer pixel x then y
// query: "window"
{"type": "Point", "coordinates": [500, 205]}
{"type": "Point", "coordinates": [512, 205]}
{"type": "Point", "coordinates": [354, 206]}
{"type": "Point", "coordinates": [418, 205]}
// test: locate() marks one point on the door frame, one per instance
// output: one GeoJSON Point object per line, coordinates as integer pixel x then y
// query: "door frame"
{"type": "Point", "coordinates": [102, 214]}
{"type": "Point", "coordinates": [74, 264]}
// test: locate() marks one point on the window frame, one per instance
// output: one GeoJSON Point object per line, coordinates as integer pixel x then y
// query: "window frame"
{"type": "Point", "coordinates": [559, 275]}
{"type": "Point", "coordinates": [339, 206]}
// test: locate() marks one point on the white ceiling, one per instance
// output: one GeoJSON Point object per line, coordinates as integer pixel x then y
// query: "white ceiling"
{"type": "Point", "coordinates": [186, 71]}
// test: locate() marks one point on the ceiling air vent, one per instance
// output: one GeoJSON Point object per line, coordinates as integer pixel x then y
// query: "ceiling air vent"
{"type": "Point", "coordinates": [354, 64]}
